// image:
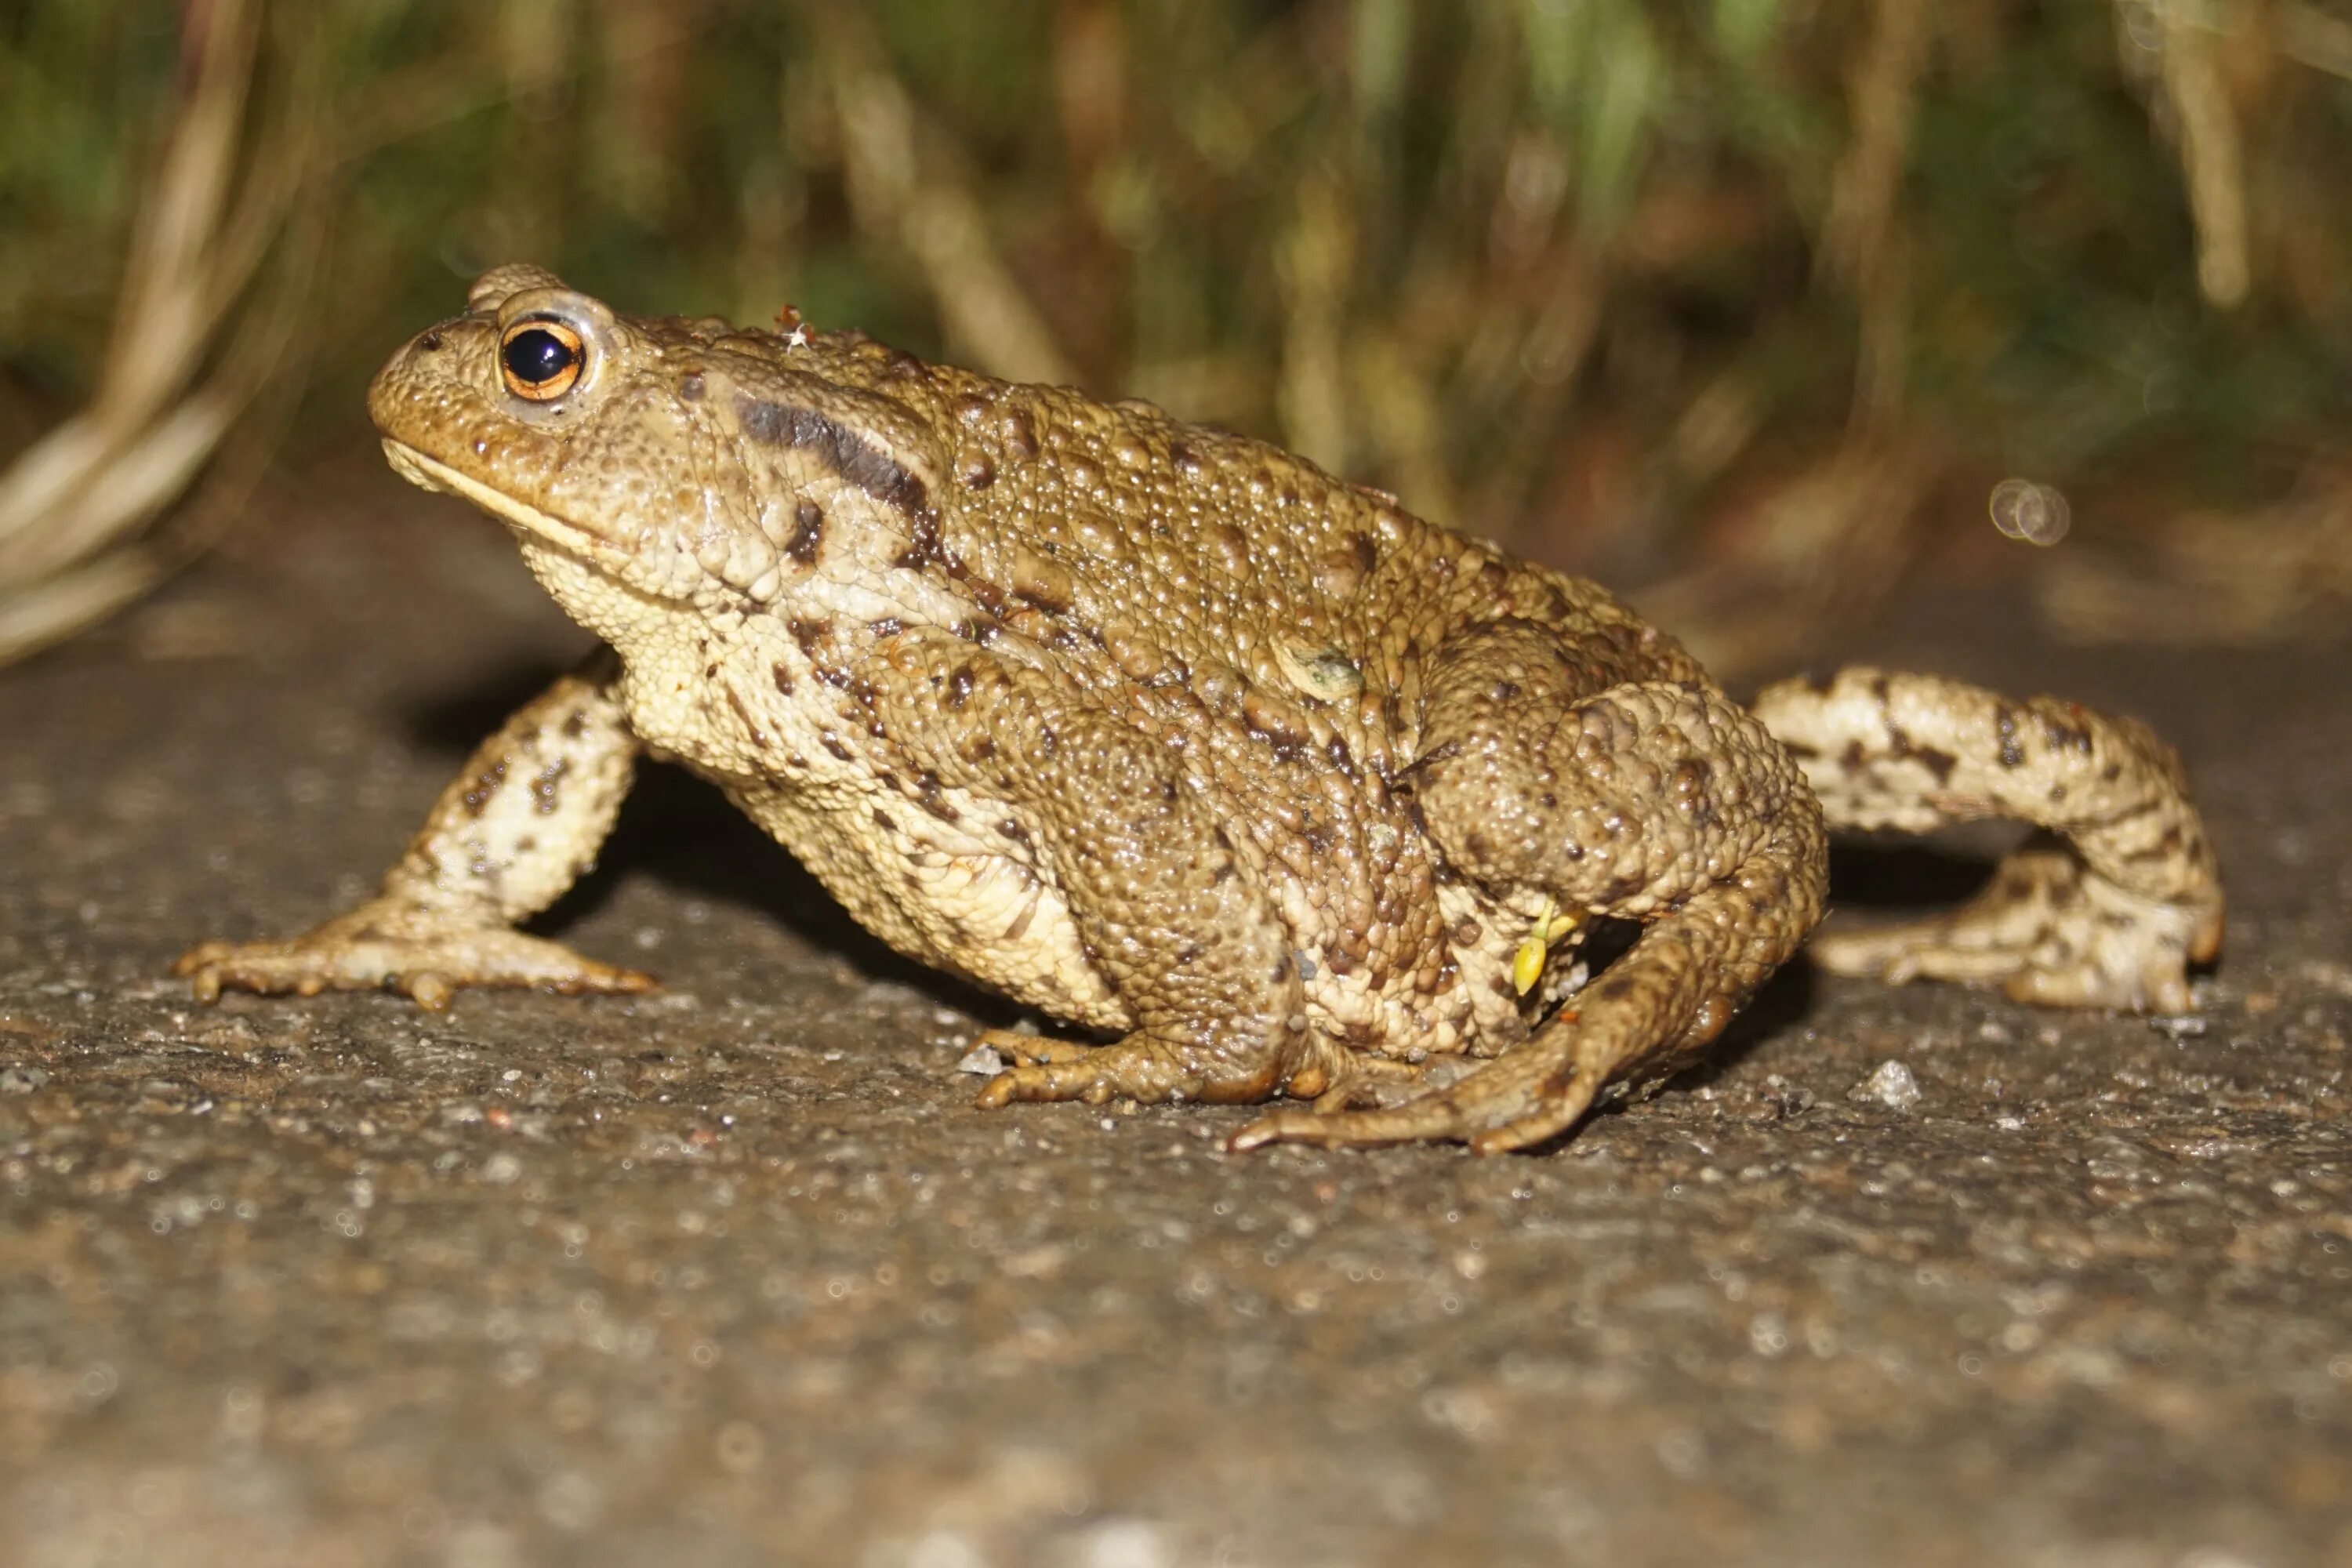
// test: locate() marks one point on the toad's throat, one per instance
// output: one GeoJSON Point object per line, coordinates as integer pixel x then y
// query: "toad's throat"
{"type": "Point", "coordinates": [569, 537]}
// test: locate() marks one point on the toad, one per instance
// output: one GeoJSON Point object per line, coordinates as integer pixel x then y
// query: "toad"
{"type": "Point", "coordinates": [1277, 788]}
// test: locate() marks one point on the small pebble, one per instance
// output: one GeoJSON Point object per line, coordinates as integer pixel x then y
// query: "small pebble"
{"type": "Point", "coordinates": [982, 1060]}
{"type": "Point", "coordinates": [1892, 1086]}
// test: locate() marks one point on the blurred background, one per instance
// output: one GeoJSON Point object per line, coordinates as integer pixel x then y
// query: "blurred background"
{"type": "Point", "coordinates": [1760, 310]}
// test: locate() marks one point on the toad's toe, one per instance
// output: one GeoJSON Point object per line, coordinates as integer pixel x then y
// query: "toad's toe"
{"type": "Point", "coordinates": [428, 968]}
{"type": "Point", "coordinates": [2048, 932]}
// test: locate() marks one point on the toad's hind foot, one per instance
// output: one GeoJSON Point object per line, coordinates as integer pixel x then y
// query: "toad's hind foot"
{"type": "Point", "coordinates": [1510, 1104]}
{"type": "Point", "coordinates": [1149, 1070]}
{"type": "Point", "coordinates": [2046, 931]}
{"type": "Point", "coordinates": [2109, 913]}
{"type": "Point", "coordinates": [350, 953]}
{"type": "Point", "coordinates": [1668, 995]}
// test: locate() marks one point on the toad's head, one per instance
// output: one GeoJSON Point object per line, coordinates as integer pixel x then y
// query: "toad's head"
{"type": "Point", "coordinates": [648, 465]}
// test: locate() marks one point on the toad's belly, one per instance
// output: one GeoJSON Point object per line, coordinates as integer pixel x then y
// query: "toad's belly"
{"type": "Point", "coordinates": [937, 894]}
{"type": "Point", "coordinates": [941, 900]}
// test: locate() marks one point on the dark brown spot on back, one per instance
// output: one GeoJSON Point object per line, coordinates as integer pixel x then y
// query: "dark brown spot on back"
{"type": "Point", "coordinates": [928, 795]}
{"type": "Point", "coordinates": [808, 632]}
{"type": "Point", "coordinates": [808, 532]}
{"type": "Point", "coordinates": [1041, 582]}
{"type": "Point", "coordinates": [735, 700]}
{"type": "Point", "coordinates": [922, 540]}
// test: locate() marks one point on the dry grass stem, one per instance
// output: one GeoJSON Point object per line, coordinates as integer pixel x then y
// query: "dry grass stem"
{"type": "Point", "coordinates": [1860, 243]}
{"type": "Point", "coordinates": [2206, 126]}
{"type": "Point", "coordinates": [79, 509]}
{"type": "Point", "coordinates": [1315, 258]}
{"type": "Point", "coordinates": [908, 195]}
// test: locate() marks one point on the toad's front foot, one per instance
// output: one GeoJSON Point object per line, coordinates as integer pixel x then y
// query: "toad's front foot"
{"type": "Point", "coordinates": [358, 953]}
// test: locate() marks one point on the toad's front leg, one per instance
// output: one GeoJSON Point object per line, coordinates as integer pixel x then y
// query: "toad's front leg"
{"type": "Point", "coordinates": [1174, 919]}
{"type": "Point", "coordinates": [505, 841]}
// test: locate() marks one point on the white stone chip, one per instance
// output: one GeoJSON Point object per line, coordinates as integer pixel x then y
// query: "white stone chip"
{"type": "Point", "coordinates": [982, 1060]}
{"type": "Point", "coordinates": [1892, 1085]}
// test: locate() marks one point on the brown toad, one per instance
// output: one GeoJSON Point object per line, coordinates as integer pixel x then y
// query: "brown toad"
{"type": "Point", "coordinates": [1169, 734]}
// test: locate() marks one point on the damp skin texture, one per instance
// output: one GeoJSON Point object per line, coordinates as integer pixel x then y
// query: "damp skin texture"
{"type": "Point", "coordinates": [1277, 789]}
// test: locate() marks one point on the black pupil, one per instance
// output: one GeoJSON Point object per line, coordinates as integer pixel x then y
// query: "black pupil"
{"type": "Point", "coordinates": [536, 357]}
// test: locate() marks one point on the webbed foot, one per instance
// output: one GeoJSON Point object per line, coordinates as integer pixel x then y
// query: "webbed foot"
{"type": "Point", "coordinates": [2048, 931]}
{"type": "Point", "coordinates": [353, 952]}
{"type": "Point", "coordinates": [1510, 1104]}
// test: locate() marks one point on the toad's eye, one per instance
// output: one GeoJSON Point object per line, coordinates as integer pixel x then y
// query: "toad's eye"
{"type": "Point", "coordinates": [540, 358]}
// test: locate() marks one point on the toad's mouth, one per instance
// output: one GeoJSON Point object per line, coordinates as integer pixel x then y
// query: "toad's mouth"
{"type": "Point", "coordinates": [424, 472]}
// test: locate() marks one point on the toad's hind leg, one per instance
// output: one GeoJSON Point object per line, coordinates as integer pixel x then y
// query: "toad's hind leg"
{"type": "Point", "coordinates": [2108, 914]}
{"type": "Point", "coordinates": [1657, 802]}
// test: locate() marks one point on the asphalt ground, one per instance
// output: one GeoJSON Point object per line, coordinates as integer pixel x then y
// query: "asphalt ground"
{"type": "Point", "coordinates": [735, 1273]}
